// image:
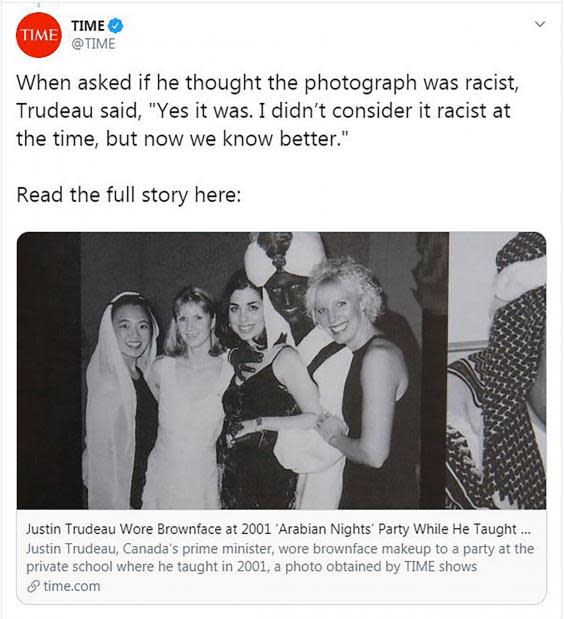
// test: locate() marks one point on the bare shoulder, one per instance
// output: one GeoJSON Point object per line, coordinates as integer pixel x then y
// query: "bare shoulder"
{"type": "Point", "coordinates": [461, 408]}
{"type": "Point", "coordinates": [158, 367]}
{"type": "Point", "coordinates": [385, 360]}
{"type": "Point", "coordinates": [384, 352]}
{"type": "Point", "coordinates": [285, 356]}
{"type": "Point", "coordinates": [288, 365]}
{"type": "Point", "coordinates": [158, 363]}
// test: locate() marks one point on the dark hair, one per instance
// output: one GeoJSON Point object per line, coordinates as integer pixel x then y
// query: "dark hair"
{"type": "Point", "coordinates": [275, 244]}
{"type": "Point", "coordinates": [174, 345]}
{"type": "Point", "coordinates": [237, 281]}
{"type": "Point", "coordinates": [131, 299]}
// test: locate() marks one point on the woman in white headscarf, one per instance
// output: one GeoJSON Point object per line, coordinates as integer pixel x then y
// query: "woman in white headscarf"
{"type": "Point", "coordinates": [121, 411]}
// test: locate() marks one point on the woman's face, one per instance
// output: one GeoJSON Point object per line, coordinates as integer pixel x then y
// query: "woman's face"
{"type": "Point", "coordinates": [194, 325]}
{"type": "Point", "coordinates": [133, 330]}
{"type": "Point", "coordinates": [338, 310]}
{"type": "Point", "coordinates": [246, 315]}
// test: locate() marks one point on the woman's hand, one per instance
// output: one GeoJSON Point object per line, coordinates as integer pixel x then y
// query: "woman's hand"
{"type": "Point", "coordinates": [241, 358]}
{"type": "Point", "coordinates": [246, 427]}
{"type": "Point", "coordinates": [234, 428]}
{"type": "Point", "coordinates": [330, 428]}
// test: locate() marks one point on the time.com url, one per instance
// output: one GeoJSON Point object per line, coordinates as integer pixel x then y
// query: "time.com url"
{"type": "Point", "coordinates": [51, 586]}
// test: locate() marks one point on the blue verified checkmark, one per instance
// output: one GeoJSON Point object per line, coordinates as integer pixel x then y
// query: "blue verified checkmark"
{"type": "Point", "coordinates": [115, 25]}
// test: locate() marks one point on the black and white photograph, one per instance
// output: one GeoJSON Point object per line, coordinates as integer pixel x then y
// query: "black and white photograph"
{"type": "Point", "coordinates": [496, 419]}
{"type": "Point", "coordinates": [304, 370]}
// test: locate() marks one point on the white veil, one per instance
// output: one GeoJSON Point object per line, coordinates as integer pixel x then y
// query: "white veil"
{"type": "Point", "coordinates": [107, 463]}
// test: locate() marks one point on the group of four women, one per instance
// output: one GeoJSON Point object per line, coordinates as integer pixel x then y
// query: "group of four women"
{"type": "Point", "coordinates": [281, 396]}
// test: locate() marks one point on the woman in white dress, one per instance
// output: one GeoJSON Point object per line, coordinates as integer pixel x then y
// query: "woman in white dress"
{"type": "Point", "coordinates": [190, 380]}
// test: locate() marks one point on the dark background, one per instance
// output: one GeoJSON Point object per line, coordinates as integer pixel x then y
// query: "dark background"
{"type": "Point", "coordinates": [49, 372]}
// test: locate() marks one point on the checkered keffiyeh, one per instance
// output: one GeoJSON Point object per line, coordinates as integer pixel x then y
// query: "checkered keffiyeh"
{"type": "Point", "coordinates": [500, 378]}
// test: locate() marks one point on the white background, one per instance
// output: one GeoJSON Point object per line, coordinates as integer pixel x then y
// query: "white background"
{"type": "Point", "coordinates": [388, 176]}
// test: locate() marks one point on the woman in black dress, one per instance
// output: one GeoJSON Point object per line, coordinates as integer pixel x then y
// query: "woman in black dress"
{"type": "Point", "coordinates": [270, 398]}
{"type": "Point", "coordinates": [343, 299]}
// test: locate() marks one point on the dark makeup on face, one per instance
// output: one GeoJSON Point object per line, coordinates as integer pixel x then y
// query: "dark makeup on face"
{"type": "Point", "coordinates": [286, 292]}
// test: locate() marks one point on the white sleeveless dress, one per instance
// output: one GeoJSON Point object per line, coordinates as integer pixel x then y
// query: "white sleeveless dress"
{"type": "Point", "coordinates": [182, 470]}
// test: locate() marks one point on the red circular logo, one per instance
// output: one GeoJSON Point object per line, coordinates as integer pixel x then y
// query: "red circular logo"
{"type": "Point", "coordinates": [38, 35]}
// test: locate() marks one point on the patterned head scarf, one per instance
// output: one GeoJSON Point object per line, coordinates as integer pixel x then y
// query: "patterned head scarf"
{"type": "Point", "coordinates": [512, 464]}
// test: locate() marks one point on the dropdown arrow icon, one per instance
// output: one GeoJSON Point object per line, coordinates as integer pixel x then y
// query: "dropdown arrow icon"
{"type": "Point", "coordinates": [542, 23]}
